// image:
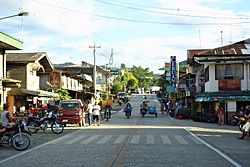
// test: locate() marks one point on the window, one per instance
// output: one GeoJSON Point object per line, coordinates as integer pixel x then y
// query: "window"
{"type": "Point", "coordinates": [207, 74]}
{"type": "Point", "coordinates": [229, 71]}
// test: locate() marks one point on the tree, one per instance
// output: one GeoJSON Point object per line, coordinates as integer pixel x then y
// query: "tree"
{"type": "Point", "coordinates": [145, 77]}
{"type": "Point", "coordinates": [63, 94]}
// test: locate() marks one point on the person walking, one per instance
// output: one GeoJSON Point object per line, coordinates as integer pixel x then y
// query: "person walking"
{"type": "Point", "coordinates": [89, 110]}
{"type": "Point", "coordinates": [96, 114]}
{"type": "Point", "coordinates": [220, 114]}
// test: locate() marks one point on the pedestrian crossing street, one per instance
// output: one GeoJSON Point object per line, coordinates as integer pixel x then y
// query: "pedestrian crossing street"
{"type": "Point", "coordinates": [129, 139]}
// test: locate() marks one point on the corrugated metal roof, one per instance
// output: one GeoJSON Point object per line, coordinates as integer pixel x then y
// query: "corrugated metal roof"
{"type": "Point", "coordinates": [236, 49]}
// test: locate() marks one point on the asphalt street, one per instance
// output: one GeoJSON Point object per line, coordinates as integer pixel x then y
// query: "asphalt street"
{"type": "Point", "coordinates": [138, 141]}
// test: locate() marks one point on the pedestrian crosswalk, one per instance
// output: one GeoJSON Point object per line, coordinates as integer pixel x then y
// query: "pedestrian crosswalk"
{"type": "Point", "coordinates": [129, 139]}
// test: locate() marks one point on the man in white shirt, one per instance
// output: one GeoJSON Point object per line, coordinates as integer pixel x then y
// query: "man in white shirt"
{"type": "Point", "coordinates": [96, 114]}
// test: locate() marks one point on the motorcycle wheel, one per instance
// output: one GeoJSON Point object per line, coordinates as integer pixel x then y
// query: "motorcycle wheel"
{"type": "Point", "coordinates": [128, 115]}
{"type": "Point", "coordinates": [33, 127]}
{"type": "Point", "coordinates": [57, 127]}
{"type": "Point", "coordinates": [20, 141]}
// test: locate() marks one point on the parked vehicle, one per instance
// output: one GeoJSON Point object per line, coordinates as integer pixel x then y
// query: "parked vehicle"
{"type": "Point", "coordinates": [50, 118]}
{"type": "Point", "coordinates": [71, 112]}
{"type": "Point", "coordinates": [16, 136]}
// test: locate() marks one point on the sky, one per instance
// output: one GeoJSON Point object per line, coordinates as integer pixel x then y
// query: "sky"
{"type": "Point", "coordinates": [140, 32]}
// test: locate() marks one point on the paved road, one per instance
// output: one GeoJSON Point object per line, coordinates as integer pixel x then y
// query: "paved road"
{"type": "Point", "coordinates": [139, 141]}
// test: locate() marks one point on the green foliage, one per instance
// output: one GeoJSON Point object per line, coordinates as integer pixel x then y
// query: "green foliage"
{"type": "Point", "coordinates": [117, 86]}
{"type": "Point", "coordinates": [145, 77]}
{"type": "Point", "coordinates": [63, 94]}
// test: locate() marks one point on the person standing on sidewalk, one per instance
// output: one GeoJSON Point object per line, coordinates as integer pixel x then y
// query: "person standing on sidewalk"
{"type": "Point", "coordinates": [220, 114]}
{"type": "Point", "coordinates": [96, 114]}
{"type": "Point", "coordinates": [90, 110]}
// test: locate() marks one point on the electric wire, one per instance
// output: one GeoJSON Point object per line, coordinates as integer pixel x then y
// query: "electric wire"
{"type": "Point", "coordinates": [144, 21]}
{"type": "Point", "coordinates": [172, 14]}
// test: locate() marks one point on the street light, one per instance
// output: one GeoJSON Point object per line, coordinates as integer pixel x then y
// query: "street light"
{"type": "Point", "coordinates": [19, 14]}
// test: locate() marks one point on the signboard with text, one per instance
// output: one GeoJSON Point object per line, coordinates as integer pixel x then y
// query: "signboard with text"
{"type": "Point", "coordinates": [173, 69]}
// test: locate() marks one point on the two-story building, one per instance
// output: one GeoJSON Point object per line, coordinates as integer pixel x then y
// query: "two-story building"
{"type": "Point", "coordinates": [7, 43]}
{"type": "Point", "coordinates": [86, 70]}
{"type": "Point", "coordinates": [33, 70]}
{"type": "Point", "coordinates": [225, 74]}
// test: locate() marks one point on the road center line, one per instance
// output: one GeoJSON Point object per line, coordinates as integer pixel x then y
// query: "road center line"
{"type": "Point", "coordinates": [215, 149]}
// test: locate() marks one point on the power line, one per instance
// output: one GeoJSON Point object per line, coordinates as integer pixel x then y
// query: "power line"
{"type": "Point", "coordinates": [165, 13]}
{"type": "Point", "coordinates": [143, 21]}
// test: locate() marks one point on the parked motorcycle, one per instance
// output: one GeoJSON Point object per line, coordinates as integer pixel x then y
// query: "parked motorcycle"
{"type": "Point", "coordinates": [50, 118]}
{"type": "Point", "coordinates": [16, 136]}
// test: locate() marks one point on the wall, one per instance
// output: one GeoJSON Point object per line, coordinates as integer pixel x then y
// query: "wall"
{"type": "Point", "coordinates": [212, 84]}
{"type": "Point", "coordinates": [18, 72]}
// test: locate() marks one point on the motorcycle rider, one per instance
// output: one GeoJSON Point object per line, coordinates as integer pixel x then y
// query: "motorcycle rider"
{"type": "Point", "coordinates": [128, 105]}
{"type": "Point", "coordinates": [5, 116]}
{"type": "Point", "coordinates": [108, 108]}
{"type": "Point", "coordinates": [246, 127]}
{"type": "Point", "coordinates": [143, 106]}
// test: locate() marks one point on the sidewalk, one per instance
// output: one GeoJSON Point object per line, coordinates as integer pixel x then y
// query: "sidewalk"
{"type": "Point", "coordinates": [203, 125]}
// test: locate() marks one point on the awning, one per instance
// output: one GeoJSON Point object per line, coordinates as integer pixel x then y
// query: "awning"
{"type": "Point", "coordinates": [11, 83]}
{"type": "Point", "coordinates": [223, 96]}
{"type": "Point", "coordinates": [87, 79]}
{"type": "Point", "coordinates": [40, 93]}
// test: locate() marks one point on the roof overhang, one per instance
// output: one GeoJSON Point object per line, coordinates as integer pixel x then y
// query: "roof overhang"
{"type": "Point", "coordinates": [40, 93]}
{"type": "Point", "coordinates": [9, 43]}
{"type": "Point", "coordinates": [11, 83]}
{"type": "Point", "coordinates": [221, 59]}
{"type": "Point", "coordinates": [223, 96]}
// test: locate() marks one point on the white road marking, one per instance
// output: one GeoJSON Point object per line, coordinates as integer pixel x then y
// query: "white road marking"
{"type": "Point", "coordinates": [195, 140]}
{"type": "Point", "coordinates": [165, 139]}
{"type": "Point", "coordinates": [150, 139]}
{"type": "Point", "coordinates": [105, 139]}
{"type": "Point", "coordinates": [76, 139]}
{"type": "Point", "coordinates": [135, 139]}
{"type": "Point", "coordinates": [90, 139]}
{"type": "Point", "coordinates": [120, 139]}
{"type": "Point", "coordinates": [38, 147]}
{"type": "Point", "coordinates": [215, 150]}
{"type": "Point", "coordinates": [180, 139]}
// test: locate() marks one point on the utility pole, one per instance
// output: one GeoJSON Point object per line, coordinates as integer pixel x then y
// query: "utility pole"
{"type": "Point", "coordinates": [94, 70]}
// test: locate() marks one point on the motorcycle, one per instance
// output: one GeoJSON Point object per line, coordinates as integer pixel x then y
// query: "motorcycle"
{"type": "Point", "coordinates": [34, 124]}
{"type": "Point", "coordinates": [128, 112]}
{"type": "Point", "coordinates": [16, 136]}
{"type": "Point", "coordinates": [107, 114]}
{"type": "Point", "coordinates": [120, 102]}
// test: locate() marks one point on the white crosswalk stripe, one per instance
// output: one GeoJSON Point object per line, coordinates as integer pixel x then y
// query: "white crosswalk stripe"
{"type": "Point", "coordinates": [135, 139]}
{"type": "Point", "coordinates": [88, 140]}
{"type": "Point", "coordinates": [150, 139]}
{"type": "Point", "coordinates": [120, 139]}
{"type": "Point", "coordinates": [180, 139]}
{"type": "Point", "coordinates": [105, 139]}
{"type": "Point", "coordinates": [165, 139]}
{"type": "Point", "coordinates": [76, 139]}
